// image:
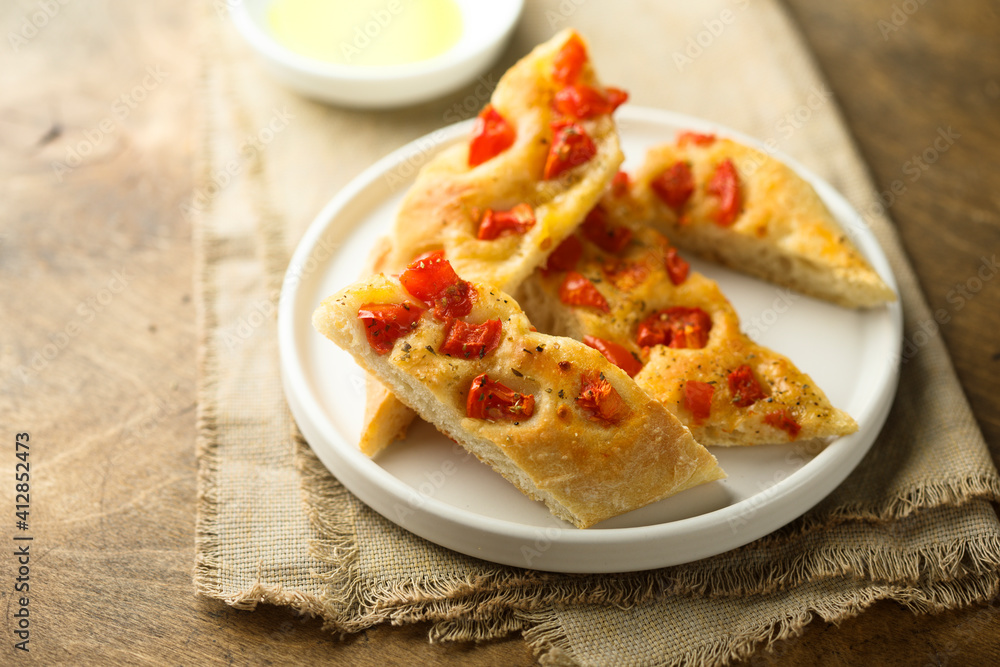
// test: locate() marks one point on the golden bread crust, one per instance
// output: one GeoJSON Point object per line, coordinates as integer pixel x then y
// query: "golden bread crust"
{"type": "Point", "coordinates": [585, 470]}
{"type": "Point", "coordinates": [666, 370]}
{"type": "Point", "coordinates": [442, 209]}
{"type": "Point", "coordinates": [783, 232]}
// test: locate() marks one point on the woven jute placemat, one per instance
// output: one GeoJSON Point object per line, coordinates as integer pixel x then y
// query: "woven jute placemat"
{"type": "Point", "coordinates": [913, 523]}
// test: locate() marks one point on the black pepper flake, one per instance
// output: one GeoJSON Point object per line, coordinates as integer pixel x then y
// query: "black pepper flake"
{"type": "Point", "coordinates": [540, 348]}
{"type": "Point", "coordinates": [526, 350]}
{"type": "Point", "coordinates": [517, 373]}
{"type": "Point", "coordinates": [562, 394]}
{"type": "Point", "coordinates": [431, 350]}
{"type": "Point", "coordinates": [407, 347]}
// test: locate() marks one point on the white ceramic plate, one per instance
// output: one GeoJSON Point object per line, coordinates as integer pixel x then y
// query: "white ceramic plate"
{"type": "Point", "coordinates": [431, 487]}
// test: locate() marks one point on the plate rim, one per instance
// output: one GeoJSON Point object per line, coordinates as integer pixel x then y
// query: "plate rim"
{"type": "Point", "coordinates": [367, 480]}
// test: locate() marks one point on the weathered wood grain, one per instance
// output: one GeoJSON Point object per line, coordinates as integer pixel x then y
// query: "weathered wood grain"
{"type": "Point", "coordinates": [98, 337]}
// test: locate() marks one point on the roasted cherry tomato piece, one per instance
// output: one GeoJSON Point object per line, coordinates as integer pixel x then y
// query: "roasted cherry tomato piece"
{"type": "Point", "coordinates": [674, 186]}
{"type": "Point", "coordinates": [517, 220]}
{"type": "Point", "coordinates": [616, 354]}
{"type": "Point", "coordinates": [677, 267]}
{"type": "Point", "coordinates": [571, 147]}
{"type": "Point", "coordinates": [620, 184]}
{"type": "Point", "coordinates": [385, 323]}
{"type": "Point", "coordinates": [608, 237]}
{"type": "Point", "coordinates": [625, 275]}
{"type": "Point", "coordinates": [600, 400]}
{"type": "Point", "coordinates": [677, 327]}
{"type": "Point", "coordinates": [783, 419]}
{"type": "Point", "coordinates": [744, 387]}
{"type": "Point", "coordinates": [616, 97]}
{"type": "Point", "coordinates": [577, 290]}
{"type": "Point", "coordinates": [569, 61]}
{"type": "Point", "coordinates": [566, 255]}
{"type": "Point", "coordinates": [431, 279]}
{"type": "Point", "coordinates": [725, 185]}
{"type": "Point", "coordinates": [696, 138]}
{"type": "Point", "coordinates": [581, 101]}
{"type": "Point", "coordinates": [698, 399]}
{"type": "Point", "coordinates": [489, 399]}
{"type": "Point", "coordinates": [468, 341]}
{"type": "Point", "coordinates": [491, 135]}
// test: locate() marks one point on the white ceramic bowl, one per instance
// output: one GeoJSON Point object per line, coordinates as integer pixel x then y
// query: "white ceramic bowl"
{"type": "Point", "coordinates": [487, 26]}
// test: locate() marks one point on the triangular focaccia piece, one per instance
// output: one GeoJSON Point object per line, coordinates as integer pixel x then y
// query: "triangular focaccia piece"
{"type": "Point", "coordinates": [446, 207]}
{"type": "Point", "coordinates": [678, 335]}
{"type": "Point", "coordinates": [516, 151]}
{"type": "Point", "coordinates": [549, 414]}
{"type": "Point", "coordinates": [735, 205]}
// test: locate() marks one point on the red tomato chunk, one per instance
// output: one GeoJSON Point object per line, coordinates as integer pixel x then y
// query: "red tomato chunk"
{"type": "Point", "coordinates": [685, 138]}
{"type": "Point", "coordinates": [491, 135]}
{"type": "Point", "coordinates": [725, 185]}
{"type": "Point", "coordinates": [581, 101]}
{"type": "Point", "coordinates": [674, 186]}
{"type": "Point", "coordinates": [577, 290]}
{"type": "Point", "coordinates": [607, 237]}
{"type": "Point", "coordinates": [517, 220]}
{"type": "Point", "coordinates": [566, 255]}
{"type": "Point", "coordinates": [744, 387]}
{"type": "Point", "coordinates": [489, 399]}
{"type": "Point", "coordinates": [677, 327]}
{"type": "Point", "coordinates": [471, 340]}
{"type": "Point", "coordinates": [600, 400]}
{"type": "Point", "coordinates": [615, 353]}
{"type": "Point", "coordinates": [698, 398]}
{"type": "Point", "coordinates": [620, 184]}
{"type": "Point", "coordinates": [677, 267]}
{"type": "Point", "coordinates": [431, 279]}
{"type": "Point", "coordinates": [783, 420]}
{"type": "Point", "coordinates": [569, 61]}
{"type": "Point", "coordinates": [385, 323]}
{"type": "Point", "coordinates": [571, 147]}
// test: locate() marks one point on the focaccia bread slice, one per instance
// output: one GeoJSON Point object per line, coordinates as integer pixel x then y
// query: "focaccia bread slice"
{"type": "Point", "coordinates": [539, 157]}
{"type": "Point", "coordinates": [548, 413]}
{"type": "Point", "coordinates": [624, 290]}
{"type": "Point", "coordinates": [735, 205]}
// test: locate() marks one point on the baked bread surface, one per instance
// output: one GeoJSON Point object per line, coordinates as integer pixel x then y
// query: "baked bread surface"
{"type": "Point", "coordinates": [583, 469]}
{"type": "Point", "coordinates": [443, 208]}
{"type": "Point", "coordinates": [784, 233]}
{"type": "Point", "coordinates": [638, 285]}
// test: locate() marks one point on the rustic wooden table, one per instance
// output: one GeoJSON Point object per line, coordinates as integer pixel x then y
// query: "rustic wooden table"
{"type": "Point", "coordinates": [97, 343]}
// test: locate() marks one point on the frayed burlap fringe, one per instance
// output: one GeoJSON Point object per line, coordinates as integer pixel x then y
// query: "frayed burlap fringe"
{"type": "Point", "coordinates": [548, 639]}
{"type": "Point", "coordinates": [474, 599]}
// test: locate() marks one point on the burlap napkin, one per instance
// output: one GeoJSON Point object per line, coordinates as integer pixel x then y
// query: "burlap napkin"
{"type": "Point", "coordinates": [912, 524]}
